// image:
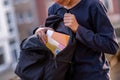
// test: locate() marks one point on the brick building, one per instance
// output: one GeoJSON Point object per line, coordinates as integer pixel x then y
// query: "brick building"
{"type": "Point", "coordinates": [26, 16]}
{"type": "Point", "coordinates": [30, 14]}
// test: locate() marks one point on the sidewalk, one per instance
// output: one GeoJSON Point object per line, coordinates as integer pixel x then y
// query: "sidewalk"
{"type": "Point", "coordinates": [7, 75]}
{"type": "Point", "coordinates": [115, 72]}
{"type": "Point", "coordinates": [10, 75]}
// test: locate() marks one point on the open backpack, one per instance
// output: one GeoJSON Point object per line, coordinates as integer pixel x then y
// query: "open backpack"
{"type": "Point", "coordinates": [37, 62]}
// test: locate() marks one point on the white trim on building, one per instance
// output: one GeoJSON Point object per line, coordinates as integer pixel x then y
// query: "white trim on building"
{"type": "Point", "coordinates": [9, 39]}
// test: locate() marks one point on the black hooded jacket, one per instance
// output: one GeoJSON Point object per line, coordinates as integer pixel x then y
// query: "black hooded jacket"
{"type": "Point", "coordinates": [37, 62]}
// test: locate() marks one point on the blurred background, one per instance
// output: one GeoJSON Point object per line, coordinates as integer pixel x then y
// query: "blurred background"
{"type": "Point", "coordinates": [18, 18]}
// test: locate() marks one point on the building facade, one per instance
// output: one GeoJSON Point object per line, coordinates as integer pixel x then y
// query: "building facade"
{"type": "Point", "coordinates": [29, 15]}
{"type": "Point", "coordinates": [26, 17]}
{"type": "Point", "coordinates": [113, 7]}
{"type": "Point", "coordinates": [41, 8]}
{"type": "Point", "coordinates": [9, 39]}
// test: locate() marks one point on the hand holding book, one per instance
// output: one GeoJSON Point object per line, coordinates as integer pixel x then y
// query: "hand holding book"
{"type": "Point", "coordinates": [56, 41]}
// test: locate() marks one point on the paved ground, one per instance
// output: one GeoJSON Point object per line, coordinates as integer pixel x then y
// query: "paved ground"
{"type": "Point", "coordinates": [9, 74]}
{"type": "Point", "coordinates": [115, 72]}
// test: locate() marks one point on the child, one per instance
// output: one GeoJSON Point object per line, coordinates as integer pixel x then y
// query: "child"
{"type": "Point", "coordinates": [94, 35]}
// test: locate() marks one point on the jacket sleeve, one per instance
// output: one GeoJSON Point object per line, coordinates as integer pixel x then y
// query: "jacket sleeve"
{"type": "Point", "coordinates": [50, 11]}
{"type": "Point", "coordinates": [104, 40]}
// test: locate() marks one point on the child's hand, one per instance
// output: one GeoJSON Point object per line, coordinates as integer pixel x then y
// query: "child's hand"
{"type": "Point", "coordinates": [41, 32]}
{"type": "Point", "coordinates": [70, 21]}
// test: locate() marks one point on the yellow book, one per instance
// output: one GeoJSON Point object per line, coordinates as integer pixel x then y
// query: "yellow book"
{"type": "Point", "coordinates": [53, 45]}
{"type": "Point", "coordinates": [61, 38]}
{"type": "Point", "coordinates": [56, 41]}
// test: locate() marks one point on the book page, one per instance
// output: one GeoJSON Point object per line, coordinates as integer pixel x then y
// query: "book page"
{"type": "Point", "coordinates": [56, 41]}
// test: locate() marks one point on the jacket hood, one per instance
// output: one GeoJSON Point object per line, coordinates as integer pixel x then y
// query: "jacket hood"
{"type": "Point", "coordinates": [31, 42]}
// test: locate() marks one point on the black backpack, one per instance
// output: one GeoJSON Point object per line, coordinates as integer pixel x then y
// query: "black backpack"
{"type": "Point", "coordinates": [37, 62]}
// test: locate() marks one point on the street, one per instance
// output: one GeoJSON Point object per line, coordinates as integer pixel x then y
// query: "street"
{"type": "Point", "coordinates": [7, 75]}
{"type": "Point", "coordinates": [10, 75]}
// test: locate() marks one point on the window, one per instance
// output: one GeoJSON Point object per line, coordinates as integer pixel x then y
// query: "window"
{"type": "Point", "coordinates": [16, 1]}
{"type": "Point", "coordinates": [117, 32]}
{"type": "Point", "coordinates": [6, 2]}
{"type": "Point", "coordinates": [0, 28]}
{"type": "Point", "coordinates": [21, 1]}
{"type": "Point", "coordinates": [8, 17]}
{"type": "Point", "coordinates": [13, 50]}
{"type": "Point", "coordinates": [24, 1]}
{"type": "Point", "coordinates": [25, 17]}
{"type": "Point", "coordinates": [9, 21]}
{"type": "Point", "coordinates": [1, 56]}
{"type": "Point", "coordinates": [20, 18]}
{"type": "Point", "coordinates": [28, 16]}
{"type": "Point", "coordinates": [108, 4]}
